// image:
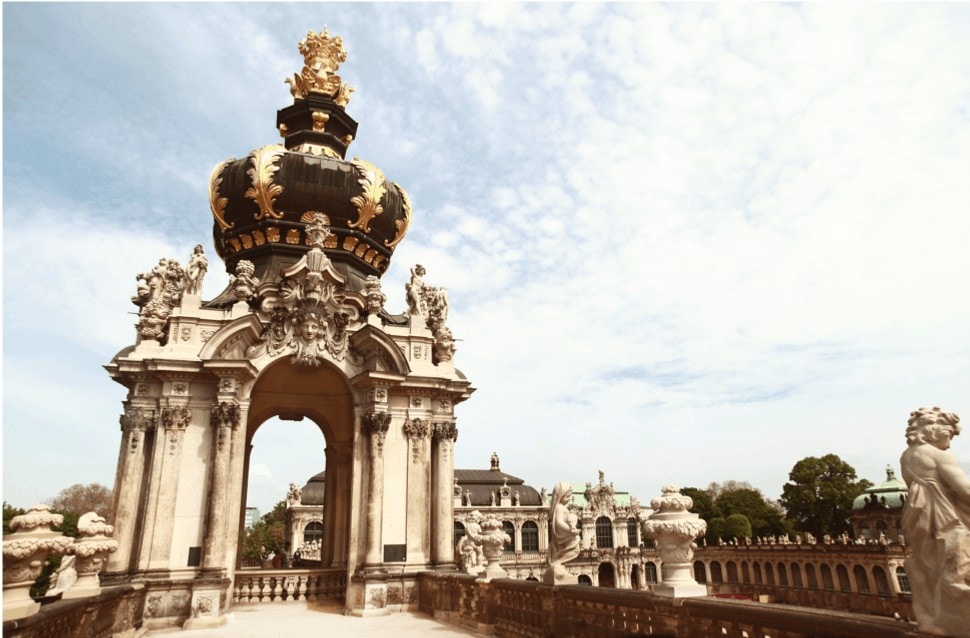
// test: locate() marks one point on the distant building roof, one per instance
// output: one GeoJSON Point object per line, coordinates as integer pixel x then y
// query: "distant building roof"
{"type": "Point", "coordinates": [889, 494]}
{"type": "Point", "coordinates": [482, 484]}
{"type": "Point", "coordinates": [313, 491]}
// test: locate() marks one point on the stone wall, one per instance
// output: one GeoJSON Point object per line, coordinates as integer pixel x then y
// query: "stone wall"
{"type": "Point", "coordinates": [115, 612]}
{"type": "Point", "coordinates": [525, 609]}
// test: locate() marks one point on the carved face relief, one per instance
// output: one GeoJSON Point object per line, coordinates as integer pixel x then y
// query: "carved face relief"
{"type": "Point", "coordinates": [310, 329]}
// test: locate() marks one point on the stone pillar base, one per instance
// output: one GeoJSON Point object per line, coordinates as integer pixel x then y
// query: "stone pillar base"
{"type": "Point", "coordinates": [680, 591]}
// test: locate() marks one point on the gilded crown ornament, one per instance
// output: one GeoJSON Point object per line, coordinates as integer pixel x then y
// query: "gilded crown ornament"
{"type": "Point", "coordinates": [322, 56]}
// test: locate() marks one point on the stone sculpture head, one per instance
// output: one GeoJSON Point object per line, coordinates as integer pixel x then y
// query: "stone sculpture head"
{"type": "Point", "coordinates": [561, 494]}
{"type": "Point", "coordinates": [932, 426]}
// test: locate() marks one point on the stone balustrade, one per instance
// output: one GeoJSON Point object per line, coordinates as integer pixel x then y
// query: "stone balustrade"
{"type": "Point", "coordinates": [116, 611]}
{"type": "Point", "coordinates": [524, 609]}
{"type": "Point", "coordinates": [288, 585]}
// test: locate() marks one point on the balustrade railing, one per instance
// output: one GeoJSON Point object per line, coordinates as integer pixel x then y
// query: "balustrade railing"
{"type": "Point", "coordinates": [525, 609]}
{"type": "Point", "coordinates": [288, 585]}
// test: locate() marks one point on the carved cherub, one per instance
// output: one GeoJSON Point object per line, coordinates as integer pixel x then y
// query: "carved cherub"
{"type": "Point", "coordinates": [244, 283]}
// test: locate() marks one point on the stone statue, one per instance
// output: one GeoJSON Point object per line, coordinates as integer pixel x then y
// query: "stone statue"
{"type": "Point", "coordinates": [198, 265]}
{"type": "Point", "coordinates": [244, 283]}
{"type": "Point", "coordinates": [516, 499]}
{"type": "Point", "coordinates": [294, 495]}
{"type": "Point", "coordinates": [563, 537]}
{"type": "Point", "coordinates": [375, 297]}
{"type": "Point", "coordinates": [444, 345]}
{"type": "Point", "coordinates": [936, 519]}
{"type": "Point", "coordinates": [414, 291]}
{"type": "Point", "coordinates": [159, 292]}
{"type": "Point", "coordinates": [472, 551]}
{"type": "Point", "coordinates": [63, 578]}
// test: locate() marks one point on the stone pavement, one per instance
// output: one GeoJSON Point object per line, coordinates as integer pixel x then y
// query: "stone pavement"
{"type": "Point", "coordinates": [300, 619]}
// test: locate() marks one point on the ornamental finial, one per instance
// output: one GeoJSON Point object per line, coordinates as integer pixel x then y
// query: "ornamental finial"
{"type": "Point", "coordinates": [322, 56]}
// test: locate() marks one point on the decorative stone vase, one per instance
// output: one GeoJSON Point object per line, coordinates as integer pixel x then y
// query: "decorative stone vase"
{"type": "Point", "coordinates": [24, 554]}
{"type": "Point", "coordinates": [90, 553]}
{"type": "Point", "coordinates": [674, 527]}
{"type": "Point", "coordinates": [494, 540]}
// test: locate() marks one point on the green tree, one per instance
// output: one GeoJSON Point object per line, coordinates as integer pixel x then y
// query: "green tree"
{"type": "Point", "coordinates": [766, 517]}
{"type": "Point", "coordinates": [737, 526]}
{"type": "Point", "coordinates": [818, 498]}
{"type": "Point", "coordinates": [703, 503]}
{"type": "Point", "coordinates": [716, 529]}
{"type": "Point", "coordinates": [9, 511]}
{"type": "Point", "coordinates": [268, 534]}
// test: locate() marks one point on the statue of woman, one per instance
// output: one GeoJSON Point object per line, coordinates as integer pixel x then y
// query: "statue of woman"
{"type": "Point", "coordinates": [564, 536]}
{"type": "Point", "coordinates": [415, 289]}
{"type": "Point", "coordinates": [198, 265]}
{"type": "Point", "coordinates": [936, 519]}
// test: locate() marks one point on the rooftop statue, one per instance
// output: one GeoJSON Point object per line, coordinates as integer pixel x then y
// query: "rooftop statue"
{"type": "Point", "coordinates": [198, 265]}
{"type": "Point", "coordinates": [936, 519]}
{"type": "Point", "coordinates": [322, 56]}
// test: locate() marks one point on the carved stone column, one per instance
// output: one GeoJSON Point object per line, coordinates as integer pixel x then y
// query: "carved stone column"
{"type": "Point", "coordinates": [417, 432]}
{"type": "Point", "coordinates": [443, 510]}
{"type": "Point", "coordinates": [137, 426]}
{"type": "Point", "coordinates": [91, 550]}
{"type": "Point", "coordinates": [224, 421]}
{"type": "Point", "coordinates": [164, 488]}
{"type": "Point", "coordinates": [24, 553]}
{"type": "Point", "coordinates": [375, 425]}
{"type": "Point", "coordinates": [675, 528]}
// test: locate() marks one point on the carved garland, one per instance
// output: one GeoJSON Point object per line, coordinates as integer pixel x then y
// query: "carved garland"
{"type": "Point", "coordinates": [264, 191]}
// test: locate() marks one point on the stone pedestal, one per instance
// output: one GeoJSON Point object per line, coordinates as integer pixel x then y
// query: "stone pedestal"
{"type": "Point", "coordinates": [24, 554]}
{"type": "Point", "coordinates": [90, 553]}
{"type": "Point", "coordinates": [675, 529]}
{"type": "Point", "coordinates": [493, 544]}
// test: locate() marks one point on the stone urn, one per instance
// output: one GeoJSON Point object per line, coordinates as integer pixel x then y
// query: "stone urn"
{"type": "Point", "coordinates": [24, 553]}
{"type": "Point", "coordinates": [90, 551]}
{"type": "Point", "coordinates": [674, 527]}
{"type": "Point", "coordinates": [494, 540]}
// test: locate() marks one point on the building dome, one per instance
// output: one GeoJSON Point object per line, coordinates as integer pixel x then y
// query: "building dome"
{"type": "Point", "coordinates": [262, 203]}
{"type": "Point", "coordinates": [313, 491]}
{"type": "Point", "coordinates": [889, 494]}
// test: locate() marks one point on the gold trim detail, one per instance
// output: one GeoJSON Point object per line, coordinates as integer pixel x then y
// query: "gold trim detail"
{"type": "Point", "coordinates": [273, 234]}
{"type": "Point", "coordinates": [361, 249]}
{"type": "Point", "coordinates": [401, 224]}
{"type": "Point", "coordinates": [263, 191]}
{"type": "Point", "coordinates": [217, 203]}
{"type": "Point", "coordinates": [292, 236]}
{"type": "Point", "coordinates": [349, 243]}
{"type": "Point", "coordinates": [259, 237]}
{"type": "Point", "coordinates": [319, 121]}
{"type": "Point", "coordinates": [236, 246]}
{"type": "Point", "coordinates": [247, 241]}
{"type": "Point", "coordinates": [330, 241]}
{"type": "Point", "coordinates": [369, 257]}
{"type": "Point", "coordinates": [284, 129]}
{"type": "Point", "coordinates": [368, 203]}
{"type": "Point", "coordinates": [347, 139]}
{"type": "Point", "coordinates": [310, 216]}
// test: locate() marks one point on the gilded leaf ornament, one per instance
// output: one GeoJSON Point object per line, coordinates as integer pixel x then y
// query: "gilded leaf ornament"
{"type": "Point", "coordinates": [263, 191]}
{"type": "Point", "coordinates": [217, 203]}
{"type": "Point", "coordinates": [368, 203]}
{"type": "Point", "coordinates": [401, 224]}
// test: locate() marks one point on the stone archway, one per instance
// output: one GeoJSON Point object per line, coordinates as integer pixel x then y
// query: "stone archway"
{"type": "Point", "coordinates": [606, 575]}
{"type": "Point", "coordinates": [322, 395]}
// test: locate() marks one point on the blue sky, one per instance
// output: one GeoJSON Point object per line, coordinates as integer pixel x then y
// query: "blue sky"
{"type": "Point", "coordinates": [682, 242]}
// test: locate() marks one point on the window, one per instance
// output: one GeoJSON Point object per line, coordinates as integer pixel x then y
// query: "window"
{"type": "Point", "coordinates": [585, 580]}
{"type": "Point", "coordinates": [530, 537]}
{"type": "Point", "coordinates": [903, 580]}
{"type": "Point", "coordinates": [716, 574]}
{"type": "Point", "coordinates": [782, 575]}
{"type": "Point", "coordinates": [770, 573]}
{"type": "Point", "coordinates": [509, 529]}
{"type": "Point", "coordinates": [810, 575]}
{"type": "Point", "coordinates": [313, 532]}
{"type": "Point", "coordinates": [700, 574]}
{"type": "Point", "coordinates": [882, 582]}
{"type": "Point", "coordinates": [827, 581]}
{"type": "Point", "coordinates": [757, 574]}
{"type": "Point", "coordinates": [732, 572]}
{"type": "Point", "coordinates": [650, 572]}
{"type": "Point", "coordinates": [861, 579]}
{"type": "Point", "coordinates": [843, 573]}
{"type": "Point", "coordinates": [459, 531]}
{"type": "Point", "coordinates": [744, 571]}
{"type": "Point", "coordinates": [632, 537]}
{"type": "Point", "coordinates": [604, 532]}
{"type": "Point", "coordinates": [796, 575]}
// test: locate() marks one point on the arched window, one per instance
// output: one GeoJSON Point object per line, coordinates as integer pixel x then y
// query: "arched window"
{"type": "Point", "coordinates": [650, 572]}
{"type": "Point", "coordinates": [882, 581]}
{"type": "Point", "coordinates": [700, 573]}
{"type": "Point", "coordinates": [459, 531]}
{"type": "Point", "coordinates": [769, 573]}
{"type": "Point", "coordinates": [861, 579]}
{"type": "Point", "coordinates": [716, 575]}
{"type": "Point", "coordinates": [827, 583]}
{"type": "Point", "coordinates": [530, 537]}
{"type": "Point", "coordinates": [635, 577]}
{"type": "Point", "coordinates": [866, 534]}
{"type": "Point", "coordinates": [509, 529]}
{"type": "Point", "coordinates": [632, 537]}
{"type": "Point", "coordinates": [607, 575]}
{"type": "Point", "coordinates": [313, 532]}
{"type": "Point", "coordinates": [732, 572]}
{"type": "Point", "coordinates": [585, 580]}
{"type": "Point", "coordinates": [882, 528]}
{"type": "Point", "coordinates": [782, 575]}
{"type": "Point", "coordinates": [757, 574]}
{"type": "Point", "coordinates": [796, 575]}
{"type": "Point", "coordinates": [745, 574]}
{"type": "Point", "coordinates": [903, 580]}
{"type": "Point", "coordinates": [604, 532]}
{"type": "Point", "coordinates": [843, 573]}
{"type": "Point", "coordinates": [810, 576]}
